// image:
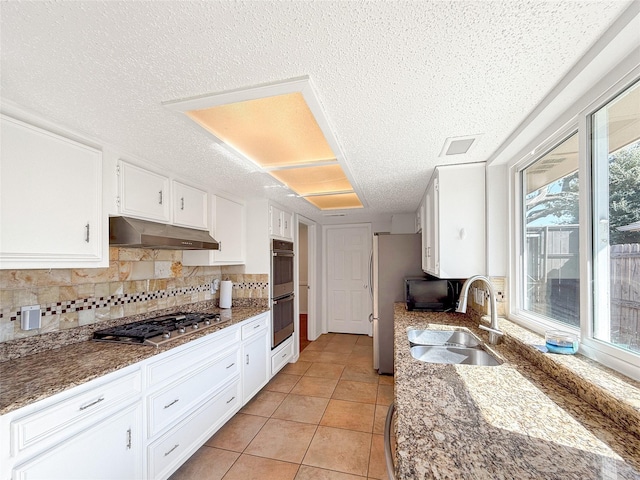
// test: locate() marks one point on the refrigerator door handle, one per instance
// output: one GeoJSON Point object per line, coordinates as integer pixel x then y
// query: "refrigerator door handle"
{"type": "Point", "coordinates": [371, 274]}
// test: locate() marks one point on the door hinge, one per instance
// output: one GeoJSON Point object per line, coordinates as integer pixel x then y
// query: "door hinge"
{"type": "Point", "coordinates": [117, 201]}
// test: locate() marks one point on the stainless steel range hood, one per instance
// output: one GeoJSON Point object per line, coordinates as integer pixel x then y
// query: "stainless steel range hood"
{"type": "Point", "coordinates": [134, 233]}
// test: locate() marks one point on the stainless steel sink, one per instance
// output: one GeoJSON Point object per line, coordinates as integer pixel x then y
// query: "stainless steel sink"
{"type": "Point", "coordinates": [448, 338]}
{"type": "Point", "coordinates": [454, 355]}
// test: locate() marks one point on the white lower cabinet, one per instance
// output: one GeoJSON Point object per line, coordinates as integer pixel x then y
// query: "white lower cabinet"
{"type": "Point", "coordinates": [255, 348]}
{"type": "Point", "coordinates": [90, 431]}
{"type": "Point", "coordinates": [173, 448]}
{"type": "Point", "coordinates": [143, 421]}
{"type": "Point", "coordinates": [109, 449]}
{"type": "Point", "coordinates": [282, 355]}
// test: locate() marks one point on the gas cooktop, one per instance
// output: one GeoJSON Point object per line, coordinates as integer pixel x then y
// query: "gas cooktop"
{"type": "Point", "coordinates": [159, 330]}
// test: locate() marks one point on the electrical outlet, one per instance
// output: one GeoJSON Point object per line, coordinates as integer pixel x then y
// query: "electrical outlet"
{"type": "Point", "coordinates": [30, 317]}
{"type": "Point", "coordinates": [500, 297]}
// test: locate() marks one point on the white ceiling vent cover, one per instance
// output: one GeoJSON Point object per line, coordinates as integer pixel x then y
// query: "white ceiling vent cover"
{"type": "Point", "coordinates": [459, 145]}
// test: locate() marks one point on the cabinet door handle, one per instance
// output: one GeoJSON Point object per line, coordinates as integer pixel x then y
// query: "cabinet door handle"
{"type": "Point", "coordinates": [172, 403]}
{"type": "Point", "coordinates": [182, 203]}
{"type": "Point", "coordinates": [129, 439]}
{"type": "Point", "coordinates": [231, 365]}
{"type": "Point", "coordinates": [160, 193]}
{"type": "Point", "coordinates": [231, 399]}
{"type": "Point", "coordinates": [247, 359]}
{"type": "Point", "coordinates": [428, 251]}
{"type": "Point", "coordinates": [172, 449]}
{"type": "Point", "coordinates": [279, 223]}
{"type": "Point", "coordinates": [86, 238]}
{"type": "Point", "coordinates": [95, 402]}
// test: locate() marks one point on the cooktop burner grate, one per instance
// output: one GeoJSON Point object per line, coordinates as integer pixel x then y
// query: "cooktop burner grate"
{"type": "Point", "coordinates": [158, 330]}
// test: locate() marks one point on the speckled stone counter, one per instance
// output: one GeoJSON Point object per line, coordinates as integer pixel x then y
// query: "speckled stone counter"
{"type": "Point", "coordinates": [504, 422]}
{"type": "Point", "coordinates": [34, 377]}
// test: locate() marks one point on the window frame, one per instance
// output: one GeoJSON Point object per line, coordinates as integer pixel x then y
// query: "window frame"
{"type": "Point", "coordinates": [607, 90]}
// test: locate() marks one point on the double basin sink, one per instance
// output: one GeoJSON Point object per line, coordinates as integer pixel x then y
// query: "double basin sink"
{"type": "Point", "coordinates": [449, 347]}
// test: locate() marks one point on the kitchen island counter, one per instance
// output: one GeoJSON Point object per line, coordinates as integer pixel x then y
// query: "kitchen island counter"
{"type": "Point", "coordinates": [503, 422]}
{"type": "Point", "coordinates": [30, 378]}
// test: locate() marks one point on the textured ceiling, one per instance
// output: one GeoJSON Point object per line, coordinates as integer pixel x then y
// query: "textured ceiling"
{"type": "Point", "coordinates": [395, 79]}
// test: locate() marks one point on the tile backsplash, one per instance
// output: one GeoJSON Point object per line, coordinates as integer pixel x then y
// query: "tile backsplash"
{"type": "Point", "coordinates": [136, 281]}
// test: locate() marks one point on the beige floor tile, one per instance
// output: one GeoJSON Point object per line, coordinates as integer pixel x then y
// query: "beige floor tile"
{"type": "Point", "coordinates": [339, 347]}
{"type": "Point", "coordinates": [377, 463]}
{"type": "Point", "coordinates": [345, 338]}
{"type": "Point", "coordinates": [385, 395]}
{"type": "Point", "coordinates": [365, 340]}
{"type": "Point", "coordinates": [363, 350]}
{"type": "Point", "coordinates": [358, 373]}
{"type": "Point", "coordinates": [386, 380]}
{"type": "Point", "coordinates": [349, 415]}
{"type": "Point", "coordinates": [379, 419]}
{"type": "Point", "coordinates": [264, 403]}
{"type": "Point", "coordinates": [332, 357]}
{"type": "Point", "coordinates": [207, 462]}
{"type": "Point", "coordinates": [312, 473]}
{"type": "Point", "coordinates": [337, 449]}
{"type": "Point", "coordinates": [315, 387]}
{"type": "Point", "coordinates": [316, 346]}
{"type": "Point", "coordinates": [282, 440]}
{"type": "Point", "coordinates": [356, 391]}
{"type": "Point", "coordinates": [325, 370]}
{"type": "Point", "coordinates": [298, 368]}
{"type": "Point", "coordinates": [237, 433]}
{"type": "Point", "coordinates": [302, 408]}
{"type": "Point", "coordinates": [361, 359]}
{"type": "Point", "coordinates": [248, 467]}
{"type": "Point", "coordinates": [310, 355]}
{"type": "Point", "coordinates": [282, 382]}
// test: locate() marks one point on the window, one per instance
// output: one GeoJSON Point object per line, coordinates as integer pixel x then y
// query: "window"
{"type": "Point", "coordinates": [578, 239]}
{"type": "Point", "coordinates": [550, 236]}
{"type": "Point", "coordinates": [615, 159]}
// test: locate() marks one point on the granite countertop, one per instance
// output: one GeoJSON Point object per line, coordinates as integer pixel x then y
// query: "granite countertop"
{"type": "Point", "coordinates": [34, 377]}
{"type": "Point", "coordinates": [503, 422]}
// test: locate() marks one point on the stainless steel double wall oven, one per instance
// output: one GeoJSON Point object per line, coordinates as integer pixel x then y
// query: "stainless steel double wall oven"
{"type": "Point", "coordinates": [282, 284]}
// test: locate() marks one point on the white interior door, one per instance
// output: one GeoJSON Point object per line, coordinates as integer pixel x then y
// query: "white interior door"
{"type": "Point", "coordinates": [348, 297]}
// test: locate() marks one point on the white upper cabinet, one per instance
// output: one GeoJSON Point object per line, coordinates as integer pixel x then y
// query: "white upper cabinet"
{"type": "Point", "coordinates": [143, 194]}
{"type": "Point", "coordinates": [189, 206]}
{"type": "Point", "coordinates": [454, 229]}
{"type": "Point", "coordinates": [228, 228]}
{"type": "Point", "coordinates": [280, 223]}
{"type": "Point", "coordinates": [50, 200]}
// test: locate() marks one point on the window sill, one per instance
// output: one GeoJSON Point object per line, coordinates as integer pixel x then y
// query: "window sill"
{"type": "Point", "coordinates": [614, 394]}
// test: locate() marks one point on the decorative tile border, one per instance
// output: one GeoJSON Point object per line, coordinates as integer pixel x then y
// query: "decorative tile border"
{"type": "Point", "coordinates": [127, 298]}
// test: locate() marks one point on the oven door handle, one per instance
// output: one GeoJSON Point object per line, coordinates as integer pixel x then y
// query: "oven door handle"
{"type": "Point", "coordinates": [283, 254]}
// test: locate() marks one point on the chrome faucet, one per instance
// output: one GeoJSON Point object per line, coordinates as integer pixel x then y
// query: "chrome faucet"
{"type": "Point", "coordinates": [494, 330]}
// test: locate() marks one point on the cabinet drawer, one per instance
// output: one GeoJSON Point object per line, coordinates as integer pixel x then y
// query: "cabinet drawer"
{"type": "Point", "coordinates": [174, 363]}
{"type": "Point", "coordinates": [255, 326]}
{"type": "Point", "coordinates": [169, 452]}
{"type": "Point", "coordinates": [281, 356]}
{"type": "Point", "coordinates": [169, 404]}
{"type": "Point", "coordinates": [61, 419]}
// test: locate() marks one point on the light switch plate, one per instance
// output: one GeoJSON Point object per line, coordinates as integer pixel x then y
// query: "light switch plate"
{"type": "Point", "coordinates": [30, 318]}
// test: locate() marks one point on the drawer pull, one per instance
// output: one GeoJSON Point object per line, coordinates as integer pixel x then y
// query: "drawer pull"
{"type": "Point", "coordinates": [84, 407]}
{"type": "Point", "coordinates": [284, 355]}
{"type": "Point", "coordinates": [174, 447]}
{"type": "Point", "coordinates": [231, 399]}
{"type": "Point", "coordinates": [231, 365]}
{"type": "Point", "coordinates": [257, 326]}
{"type": "Point", "coordinates": [172, 403]}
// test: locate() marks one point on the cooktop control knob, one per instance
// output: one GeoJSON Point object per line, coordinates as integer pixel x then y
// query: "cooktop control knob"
{"type": "Point", "coordinates": [207, 321]}
{"type": "Point", "coordinates": [195, 326]}
{"type": "Point", "coordinates": [182, 330]}
{"type": "Point", "coordinates": [166, 335]}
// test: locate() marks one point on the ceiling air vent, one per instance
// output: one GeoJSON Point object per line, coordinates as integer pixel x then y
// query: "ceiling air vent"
{"type": "Point", "coordinates": [459, 145]}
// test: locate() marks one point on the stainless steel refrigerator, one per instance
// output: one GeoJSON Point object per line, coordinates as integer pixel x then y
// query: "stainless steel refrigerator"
{"type": "Point", "coordinates": [393, 258]}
